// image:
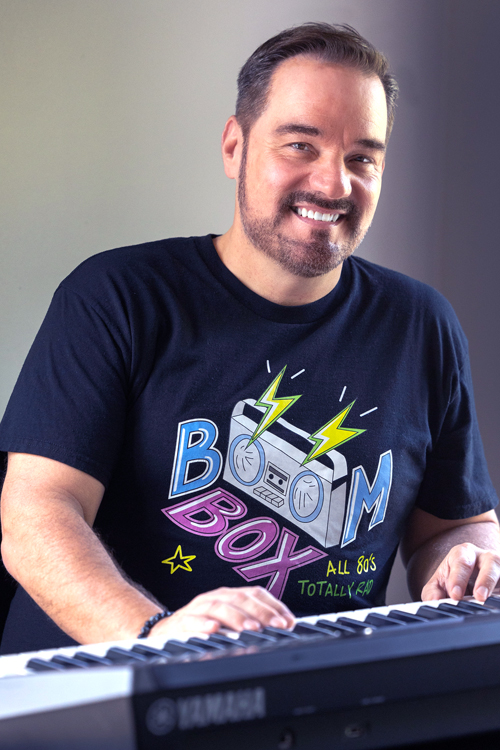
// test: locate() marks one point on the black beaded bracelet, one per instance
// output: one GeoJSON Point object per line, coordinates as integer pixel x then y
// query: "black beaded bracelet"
{"type": "Point", "coordinates": [152, 622]}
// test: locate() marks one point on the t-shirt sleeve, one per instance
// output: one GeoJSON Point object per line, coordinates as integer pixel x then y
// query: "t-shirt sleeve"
{"type": "Point", "coordinates": [456, 483]}
{"type": "Point", "coordinates": [70, 400]}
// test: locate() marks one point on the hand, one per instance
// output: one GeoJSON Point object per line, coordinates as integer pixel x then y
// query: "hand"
{"type": "Point", "coordinates": [245, 608]}
{"type": "Point", "coordinates": [465, 568]}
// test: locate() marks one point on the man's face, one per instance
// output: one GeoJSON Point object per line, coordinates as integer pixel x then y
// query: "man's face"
{"type": "Point", "coordinates": [311, 168]}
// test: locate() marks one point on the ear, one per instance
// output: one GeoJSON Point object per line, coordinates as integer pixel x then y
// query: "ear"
{"type": "Point", "coordinates": [232, 146]}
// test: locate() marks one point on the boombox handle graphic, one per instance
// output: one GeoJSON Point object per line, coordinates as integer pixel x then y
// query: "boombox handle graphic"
{"type": "Point", "coordinates": [272, 471]}
{"type": "Point", "coordinates": [338, 460]}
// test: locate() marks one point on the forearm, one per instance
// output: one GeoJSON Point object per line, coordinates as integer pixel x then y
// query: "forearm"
{"type": "Point", "coordinates": [74, 580]}
{"type": "Point", "coordinates": [426, 559]}
{"type": "Point", "coordinates": [49, 547]}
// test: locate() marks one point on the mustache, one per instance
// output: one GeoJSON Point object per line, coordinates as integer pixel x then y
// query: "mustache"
{"type": "Point", "coordinates": [343, 205]}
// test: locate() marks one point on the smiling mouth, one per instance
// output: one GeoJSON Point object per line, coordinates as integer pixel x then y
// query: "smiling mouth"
{"type": "Point", "coordinates": [328, 218]}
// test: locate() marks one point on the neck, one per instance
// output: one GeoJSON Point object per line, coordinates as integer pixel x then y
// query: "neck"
{"type": "Point", "coordinates": [266, 277]}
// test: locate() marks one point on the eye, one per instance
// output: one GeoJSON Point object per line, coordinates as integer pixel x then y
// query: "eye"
{"type": "Point", "coordinates": [363, 159]}
{"type": "Point", "coordinates": [300, 146]}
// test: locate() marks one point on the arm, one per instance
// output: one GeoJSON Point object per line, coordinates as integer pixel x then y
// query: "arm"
{"type": "Point", "coordinates": [451, 558]}
{"type": "Point", "coordinates": [48, 509]}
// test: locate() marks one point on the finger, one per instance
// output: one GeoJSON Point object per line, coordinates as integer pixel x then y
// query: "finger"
{"type": "Point", "coordinates": [227, 613]}
{"type": "Point", "coordinates": [488, 575]}
{"type": "Point", "coordinates": [182, 623]}
{"type": "Point", "coordinates": [461, 562]}
{"type": "Point", "coordinates": [252, 602]}
{"type": "Point", "coordinates": [267, 608]}
{"type": "Point", "coordinates": [433, 590]}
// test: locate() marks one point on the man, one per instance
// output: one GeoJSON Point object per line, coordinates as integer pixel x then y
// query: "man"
{"type": "Point", "coordinates": [250, 422]}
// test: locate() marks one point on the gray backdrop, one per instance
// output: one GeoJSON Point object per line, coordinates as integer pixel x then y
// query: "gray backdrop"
{"type": "Point", "coordinates": [110, 117]}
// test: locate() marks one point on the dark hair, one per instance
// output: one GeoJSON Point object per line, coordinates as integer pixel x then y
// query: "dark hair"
{"type": "Point", "coordinates": [333, 43]}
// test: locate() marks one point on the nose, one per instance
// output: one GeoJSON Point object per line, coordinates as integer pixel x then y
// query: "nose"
{"type": "Point", "coordinates": [330, 176]}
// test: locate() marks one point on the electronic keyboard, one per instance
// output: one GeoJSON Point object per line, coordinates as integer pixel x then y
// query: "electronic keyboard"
{"type": "Point", "coordinates": [374, 678]}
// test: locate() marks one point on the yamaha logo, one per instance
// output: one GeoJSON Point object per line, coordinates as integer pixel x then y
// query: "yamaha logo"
{"type": "Point", "coordinates": [199, 711]}
{"type": "Point", "coordinates": [161, 717]}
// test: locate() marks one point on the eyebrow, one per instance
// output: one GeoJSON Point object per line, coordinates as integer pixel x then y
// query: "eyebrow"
{"type": "Point", "coordinates": [293, 128]}
{"type": "Point", "coordinates": [371, 143]}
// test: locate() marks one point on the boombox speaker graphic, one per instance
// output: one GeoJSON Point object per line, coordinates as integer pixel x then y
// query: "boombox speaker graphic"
{"type": "Point", "coordinates": [271, 471]}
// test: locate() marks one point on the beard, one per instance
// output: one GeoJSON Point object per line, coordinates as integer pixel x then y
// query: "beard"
{"type": "Point", "coordinates": [307, 258]}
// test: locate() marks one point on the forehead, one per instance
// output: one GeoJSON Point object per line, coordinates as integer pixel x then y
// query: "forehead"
{"type": "Point", "coordinates": [325, 95]}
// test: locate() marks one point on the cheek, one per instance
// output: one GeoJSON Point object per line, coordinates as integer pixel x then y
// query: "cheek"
{"type": "Point", "coordinates": [369, 191]}
{"type": "Point", "coordinates": [275, 175]}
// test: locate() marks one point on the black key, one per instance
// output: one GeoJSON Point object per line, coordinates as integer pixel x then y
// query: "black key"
{"type": "Point", "coordinates": [93, 659]}
{"type": "Point", "coordinates": [433, 613]}
{"type": "Point", "coordinates": [455, 609]}
{"type": "Point", "coordinates": [307, 628]}
{"type": "Point", "coordinates": [252, 637]}
{"type": "Point", "coordinates": [280, 634]}
{"type": "Point", "coordinates": [42, 665]}
{"type": "Point", "coordinates": [335, 627]}
{"type": "Point", "coordinates": [69, 661]}
{"type": "Point", "coordinates": [357, 625]}
{"type": "Point", "coordinates": [493, 602]}
{"type": "Point", "coordinates": [151, 651]}
{"type": "Point", "coordinates": [124, 656]}
{"type": "Point", "coordinates": [180, 648]}
{"type": "Point", "coordinates": [407, 617]}
{"type": "Point", "coordinates": [477, 609]}
{"type": "Point", "coordinates": [224, 640]}
{"type": "Point", "coordinates": [206, 644]}
{"type": "Point", "coordinates": [382, 621]}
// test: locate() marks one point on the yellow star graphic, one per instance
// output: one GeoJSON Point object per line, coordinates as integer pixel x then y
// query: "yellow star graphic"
{"type": "Point", "coordinates": [184, 561]}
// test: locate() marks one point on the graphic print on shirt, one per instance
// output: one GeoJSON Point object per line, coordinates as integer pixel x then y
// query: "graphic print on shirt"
{"type": "Point", "coordinates": [301, 476]}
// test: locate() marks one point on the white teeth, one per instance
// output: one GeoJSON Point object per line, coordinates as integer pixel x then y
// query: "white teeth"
{"type": "Point", "coordinates": [317, 216]}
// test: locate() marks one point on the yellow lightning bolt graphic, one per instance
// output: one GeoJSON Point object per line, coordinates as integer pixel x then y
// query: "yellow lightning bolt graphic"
{"type": "Point", "coordinates": [275, 407]}
{"type": "Point", "coordinates": [331, 435]}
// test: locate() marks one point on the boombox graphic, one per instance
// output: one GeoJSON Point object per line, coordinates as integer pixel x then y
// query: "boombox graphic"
{"type": "Point", "coordinates": [271, 471]}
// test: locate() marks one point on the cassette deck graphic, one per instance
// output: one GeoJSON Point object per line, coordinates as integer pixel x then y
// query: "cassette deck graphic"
{"type": "Point", "coordinates": [271, 471]}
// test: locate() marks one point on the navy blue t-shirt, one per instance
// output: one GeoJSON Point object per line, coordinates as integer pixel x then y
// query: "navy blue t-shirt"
{"type": "Point", "coordinates": [245, 442]}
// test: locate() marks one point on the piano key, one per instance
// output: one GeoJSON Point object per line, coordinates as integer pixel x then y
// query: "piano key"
{"type": "Point", "coordinates": [357, 625]}
{"type": "Point", "coordinates": [307, 628]}
{"type": "Point", "coordinates": [206, 644]}
{"type": "Point", "coordinates": [93, 659]}
{"type": "Point", "coordinates": [279, 633]}
{"type": "Point", "coordinates": [383, 621]}
{"type": "Point", "coordinates": [182, 648]}
{"type": "Point", "coordinates": [478, 609]}
{"type": "Point", "coordinates": [145, 650]}
{"type": "Point", "coordinates": [222, 639]}
{"type": "Point", "coordinates": [69, 662]}
{"type": "Point", "coordinates": [44, 665]}
{"type": "Point", "coordinates": [336, 627]}
{"type": "Point", "coordinates": [124, 655]}
{"type": "Point", "coordinates": [457, 608]}
{"type": "Point", "coordinates": [407, 617]}
{"type": "Point", "coordinates": [251, 637]}
{"type": "Point", "coordinates": [434, 613]}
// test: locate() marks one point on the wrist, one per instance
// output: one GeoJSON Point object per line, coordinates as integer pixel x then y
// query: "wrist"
{"type": "Point", "coordinates": [152, 621]}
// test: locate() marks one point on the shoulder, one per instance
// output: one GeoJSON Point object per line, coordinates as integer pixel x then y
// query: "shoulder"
{"type": "Point", "coordinates": [404, 308]}
{"type": "Point", "coordinates": [138, 273]}
{"type": "Point", "coordinates": [399, 292]}
{"type": "Point", "coordinates": [144, 259]}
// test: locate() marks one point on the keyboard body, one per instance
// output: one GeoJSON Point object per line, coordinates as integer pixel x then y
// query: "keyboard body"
{"type": "Point", "coordinates": [386, 677]}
